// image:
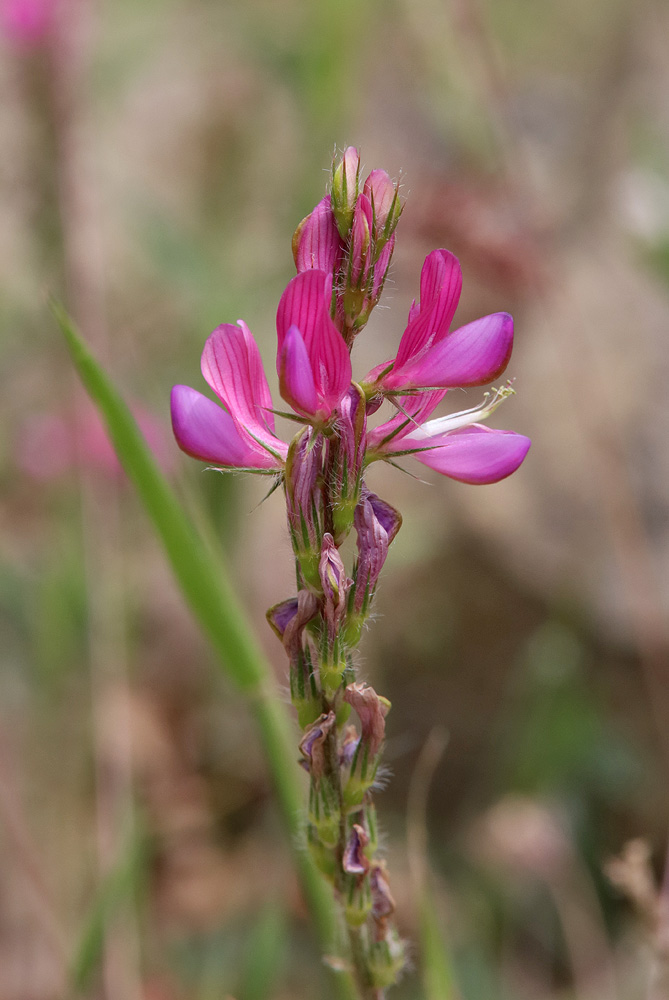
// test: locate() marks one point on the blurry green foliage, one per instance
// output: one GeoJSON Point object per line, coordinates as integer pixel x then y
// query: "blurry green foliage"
{"type": "Point", "coordinates": [558, 741]}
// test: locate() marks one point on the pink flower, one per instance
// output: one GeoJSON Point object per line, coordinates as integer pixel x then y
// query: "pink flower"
{"type": "Point", "coordinates": [51, 445]}
{"type": "Point", "coordinates": [456, 445]}
{"type": "Point", "coordinates": [312, 361]}
{"type": "Point", "coordinates": [431, 356]}
{"type": "Point", "coordinates": [314, 368]}
{"type": "Point", "coordinates": [317, 243]}
{"type": "Point", "coordinates": [387, 208]}
{"type": "Point", "coordinates": [27, 22]}
{"type": "Point", "coordinates": [360, 243]}
{"type": "Point", "coordinates": [314, 374]}
{"type": "Point", "coordinates": [241, 435]}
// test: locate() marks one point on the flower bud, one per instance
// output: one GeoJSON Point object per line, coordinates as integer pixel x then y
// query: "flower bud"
{"type": "Point", "coordinates": [384, 198]}
{"type": "Point", "coordinates": [355, 861]}
{"type": "Point", "coordinates": [312, 744]}
{"type": "Point", "coordinates": [376, 523]}
{"type": "Point", "coordinates": [381, 269]}
{"type": "Point", "coordinates": [360, 243]}
{"type": "Point", "coordinates": [333, 580]}
{"type": "Point", "coordinates": [304, 502]}
{"type": "Point", "coordinates": [386, 957]}
{"type": "Point", "coordinates": [335, 585]}
{"type": "Point", "coordinates": [288, 620]}
{"type": "Point", "coordinates": [371, 710]}
{"type": "Point", "coordinates": [316, 242]}
{"type": "Point", "coordinates": [348, 745]}
{"type": "Point", "coordinates": [346, 455]}
{"type": "Point", "coordinates": [345, 186]}
{"type": "Point", "coordinates": [383, 904]}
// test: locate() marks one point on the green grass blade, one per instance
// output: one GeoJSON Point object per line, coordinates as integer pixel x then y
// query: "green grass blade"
{"type": "Point", "coordinates": [213, 601]}
{"type": "Point", "coordinates": [118, 888]}
{"type": "Point", "coordinates": [203, 582]}
{"type": "Point", "coordinates": [264, 955]}
{"type": "Point", "coordinates": [437, 972]}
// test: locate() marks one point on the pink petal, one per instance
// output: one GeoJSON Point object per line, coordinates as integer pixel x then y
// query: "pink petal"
{"type": "Point", "coordinates": [472, 355]}
{"type": "Point", "coordinates": [306, 305]}
{"type": "Point", "coordinates": [359, 241]}
{"type": "Point", "coordinates": [27, 22]}
{"type": "Point", "coordinates": [204, 430]}
{"type": "Point", "coordinates": [381, 267]}
{"type": "Point", "coordinates": [319, 246]}
{"type": "Point", "coordinates": [381, 192]}
{"type": "Point", "coordinates": [374, 374]}
{"type": "Point", "coordinates": [232, 366]}
{"type": "Point", "coordinates": [419, 407]}
{"type": "Point", "coordinates": [440, 287]}
{"type": "Point", "coordinates": [476, 454]}
{"type": "Point", "coordinates": [296, 380]}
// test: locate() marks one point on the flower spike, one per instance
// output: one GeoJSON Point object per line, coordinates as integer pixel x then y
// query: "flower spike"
{"type": "Point", "coordinates": [343, 251]}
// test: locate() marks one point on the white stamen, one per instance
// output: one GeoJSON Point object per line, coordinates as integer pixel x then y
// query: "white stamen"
{"type": "Point", "coordinates": [464, 418]}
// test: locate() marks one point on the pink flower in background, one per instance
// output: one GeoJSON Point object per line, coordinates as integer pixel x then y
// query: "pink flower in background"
{"type": "Point", "coordinates": [27, 22]}
{"type": "Point", "coordinates": [51, 445]}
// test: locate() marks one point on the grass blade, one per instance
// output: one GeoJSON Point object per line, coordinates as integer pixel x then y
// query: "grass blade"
{"type": "Point", "coordinates": [213, 601]}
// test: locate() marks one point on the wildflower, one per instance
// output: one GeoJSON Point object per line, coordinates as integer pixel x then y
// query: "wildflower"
{"type": "Point", "coordinates": [384, 904]}
{"type": "Point", "coordinates": [456, 445]}
{"type": "Point", "coordinates": [312, 744]}
{"type": "Point", "coordinates": [346, 456]}
{"type": "Point", "coordinates": [360, 248]}
{"type": "Point", "coordinates": [357, 889]}
{"type": "Point", "coordinates": [342, 253]}
{"type": "Point", "coordinates": [429, 356]}
{"type": "Point", "coordinates": [377, 523]}
{"type": "Point", "coordinates": [317, 244]}
{"type": "Point", "coordinates": [355, 862]}
{"type": "Point", "coordinates": [289, 620]}
{"type": "Point", "coordinates": [386, 207]}
{"type": "Point", "coordinates": [335, 585]}
{"type": "Point", "coordinates": [371, 710]}
{"type": "Point", "coordinates": [241, 435]}
{"type": "Point", "coordinates": [304, 504]}
{"type": "Point", "coordinates": [313, 362]}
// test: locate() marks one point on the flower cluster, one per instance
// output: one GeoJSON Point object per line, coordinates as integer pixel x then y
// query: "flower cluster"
{"type": "Point", "coordinates": [342, 253]}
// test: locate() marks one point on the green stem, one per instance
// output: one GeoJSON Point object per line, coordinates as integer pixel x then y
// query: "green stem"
{"type": "Point", "coordinates": [358, 956]}
{"type": "Point", "coordinates": [356, 944]}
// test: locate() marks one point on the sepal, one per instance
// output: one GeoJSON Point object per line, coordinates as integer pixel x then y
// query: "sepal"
{"type": "Point", "coordinates": [345, 188]}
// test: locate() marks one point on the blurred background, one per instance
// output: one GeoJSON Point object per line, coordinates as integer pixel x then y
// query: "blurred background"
{"type": "Point", "coordinates": [155, 160]}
